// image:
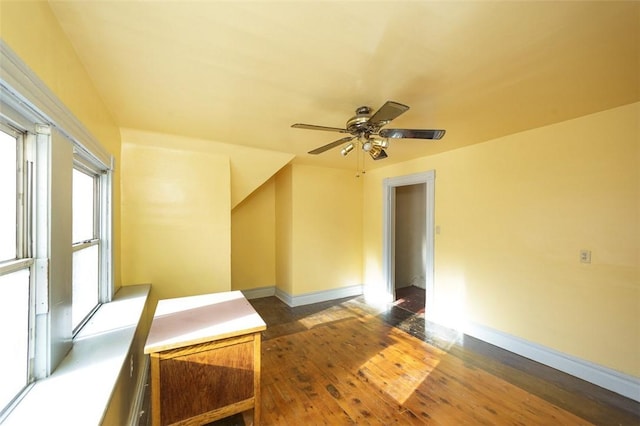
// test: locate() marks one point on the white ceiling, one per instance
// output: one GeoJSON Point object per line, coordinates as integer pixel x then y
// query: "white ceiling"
{"type": "Point", "coordinates": [242, 72]}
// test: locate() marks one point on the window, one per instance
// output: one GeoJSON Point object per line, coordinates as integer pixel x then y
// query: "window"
{"type": "Point", "coordinates": [86, 245]}
{"type": "Point", "coordinates": [55, 229]}
{"type": "Point", "coordinates": [15, 268]}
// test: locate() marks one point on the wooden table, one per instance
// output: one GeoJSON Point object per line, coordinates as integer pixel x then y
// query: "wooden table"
{"type": "Point", "coordinates": [205, 359]}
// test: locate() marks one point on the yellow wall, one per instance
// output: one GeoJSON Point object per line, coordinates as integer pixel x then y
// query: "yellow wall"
{"type": "Point", "coordinates": [514, 214]}
{"type": "Point", "coordinates": [284, 229]}
{"type": "Point", "coordinates": [176, 225]}
{"type": "Point", "coordinates": [253, 240]}
{"type": "Point", "coordinates": [32, 32]}
{"type": "Point", "coordinates": [319, 229]}
{"type": "Point", "coordinates": [165, 160]}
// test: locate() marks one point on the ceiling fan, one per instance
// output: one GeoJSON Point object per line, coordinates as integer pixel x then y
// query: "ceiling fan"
{"type": "Point", "coordinates": [367, 129]}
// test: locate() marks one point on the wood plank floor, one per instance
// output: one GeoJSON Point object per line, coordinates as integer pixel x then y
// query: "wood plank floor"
{"type": "Point", "coordinates": [345, 362]}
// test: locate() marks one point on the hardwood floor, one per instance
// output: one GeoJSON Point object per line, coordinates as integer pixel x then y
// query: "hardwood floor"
{"type": "Point", "coordinates": [345, 362]}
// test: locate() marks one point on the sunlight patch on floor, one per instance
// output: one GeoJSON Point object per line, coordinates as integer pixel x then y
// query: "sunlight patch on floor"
{"type": "Point", "coordinates": [325, 316]}
{"type": "Point", "coordinates": [396, 372]}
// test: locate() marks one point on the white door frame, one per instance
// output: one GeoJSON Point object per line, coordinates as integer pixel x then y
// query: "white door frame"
{"type": "Point", "coordinates": [388, 219]}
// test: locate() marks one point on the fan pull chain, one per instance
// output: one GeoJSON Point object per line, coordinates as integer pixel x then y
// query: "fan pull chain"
{"type": "Point", "coordinates": [360, 159]}
{"type": "Point", "coordinates": [364, 159]}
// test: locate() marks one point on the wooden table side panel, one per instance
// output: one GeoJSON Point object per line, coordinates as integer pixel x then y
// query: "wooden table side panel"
{"type": "Point", "coordinates": [196, 383]}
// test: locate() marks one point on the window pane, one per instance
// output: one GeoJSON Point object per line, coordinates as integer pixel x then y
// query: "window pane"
{"type": "Point", "coordinates": [14, 334]}
{"type": "Point", "coordinates": [85, 283]}
{"type": "Point", "coordinates": [83, 204]}
{"type": "Point", "coordinates": [8, 196]}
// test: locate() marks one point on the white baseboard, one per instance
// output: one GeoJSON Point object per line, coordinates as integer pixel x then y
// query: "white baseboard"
{"type": "Point", "coordinates": [319, 296]}
{"type": "Point", "coordinates": [257, 293]}
{"type": "Point", "coordinates": [615, 381]}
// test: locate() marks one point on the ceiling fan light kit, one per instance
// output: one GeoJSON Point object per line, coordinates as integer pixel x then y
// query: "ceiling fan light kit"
{"type": "Point", "coordinates": [347, 149]}
{"type": "Point", "coordinates": [366, 128]}
{"type": "Point", "coordinates": [377, 153]}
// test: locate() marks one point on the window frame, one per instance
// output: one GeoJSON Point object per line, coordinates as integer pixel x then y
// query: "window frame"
{"type": "Point", "coordinates": [101, 178]}
{"type": "Point", "coordinates": [23, 260]}
{"type": "Point", "coordinates": [83, 159]}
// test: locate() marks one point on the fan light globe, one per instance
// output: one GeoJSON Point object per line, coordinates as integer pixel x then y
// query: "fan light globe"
{"type": "Point", "coordinates": [382, 143]}
{"type": "Point", "coordinates": [347, 149]}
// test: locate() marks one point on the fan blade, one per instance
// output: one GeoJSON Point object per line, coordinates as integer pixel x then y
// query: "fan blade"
{"type": "Point", "coordinates": [314, 127]}
{"type": "Point", "coordinates": [331, 145]}
{"type": "Point", "coordinates": [386, 113]}
{"type": "Point", "coordinates": [411, 134]}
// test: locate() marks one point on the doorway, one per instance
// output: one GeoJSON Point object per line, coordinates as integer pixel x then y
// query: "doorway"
{"type": "Point", "coordinates": [408, 244]}
{"type": "Point", "coordinates": [410, 248]}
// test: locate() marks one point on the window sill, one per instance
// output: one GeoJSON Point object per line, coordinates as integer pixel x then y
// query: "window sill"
{"type": "Point", "coordinates": [80, 390]}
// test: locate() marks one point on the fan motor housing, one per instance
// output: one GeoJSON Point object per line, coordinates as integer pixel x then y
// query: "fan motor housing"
{"type": "Point", "coordinates": [358, 123]}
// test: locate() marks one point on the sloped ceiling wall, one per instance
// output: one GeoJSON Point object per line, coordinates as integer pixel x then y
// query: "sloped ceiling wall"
{"type": "Point", "coordinates": [250, 167]}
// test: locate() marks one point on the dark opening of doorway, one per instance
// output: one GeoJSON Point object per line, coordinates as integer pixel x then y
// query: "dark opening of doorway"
{"type": "Point", "coordinates": [411, 298]}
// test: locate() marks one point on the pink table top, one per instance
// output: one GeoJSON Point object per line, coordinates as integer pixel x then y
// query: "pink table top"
{"type": "Point", "coordinates": [187, 321]}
